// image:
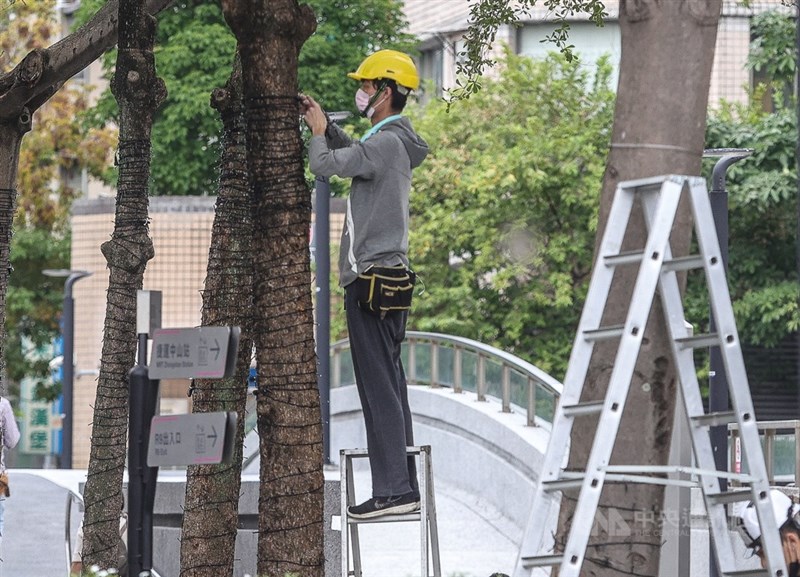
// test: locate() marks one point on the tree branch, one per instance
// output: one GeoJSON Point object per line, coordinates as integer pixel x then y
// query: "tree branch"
{"type": "Point", "coordinates": [43, 71]}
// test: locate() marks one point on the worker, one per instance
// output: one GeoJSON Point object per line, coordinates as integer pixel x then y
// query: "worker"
{"type": "Point", "coordinates": [787, 518]}
{"type": "Point", "coordinates": [373, 253]}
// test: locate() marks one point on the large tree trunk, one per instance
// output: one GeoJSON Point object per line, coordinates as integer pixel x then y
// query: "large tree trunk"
{"type": "Point", "coordinates": [270, 34]}
{"type": "Point", "coordinates": [139, 92]}
{"type": "Point", "coordinates": [210, 516]}
{"type": "Point", "coordinates": [659, 128]}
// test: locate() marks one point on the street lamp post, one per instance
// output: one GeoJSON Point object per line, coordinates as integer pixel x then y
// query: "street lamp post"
{"type": "Point", "coordinates": [718, 400]}
{"type": "Point", "coordinates": [68, 375]}
{"type": "Point", "coordinates": [323, 257]}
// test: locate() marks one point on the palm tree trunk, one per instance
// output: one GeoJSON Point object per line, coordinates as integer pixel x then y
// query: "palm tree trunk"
{"type": "Point", "coordinates": [139, 92]}
{"type": "Point", "coordinates": [270, 34]}
{"type": "Point", "coordinates": [210, 516]}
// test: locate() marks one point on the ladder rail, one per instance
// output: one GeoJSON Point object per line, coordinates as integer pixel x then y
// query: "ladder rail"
{"type": "Point", "coordinates": [689, 387]}
{"type": "Point", "coordinates": [701, 443]}
{"type": "Point", "coordinates": [619, 383]}
{"type": "Point", "coordinates": [544, 503]}
{"type": "Point", "coordinates": [733, 362]}
{"type": "Point", "coordinates": [426, 515]}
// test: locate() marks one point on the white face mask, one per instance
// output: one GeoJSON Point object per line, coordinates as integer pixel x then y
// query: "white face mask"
{"type": "Point", "coordinates": [362, 103]}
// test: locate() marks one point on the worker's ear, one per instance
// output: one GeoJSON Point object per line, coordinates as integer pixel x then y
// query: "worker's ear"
{"type": "Point", "coordinates": [791, 545]}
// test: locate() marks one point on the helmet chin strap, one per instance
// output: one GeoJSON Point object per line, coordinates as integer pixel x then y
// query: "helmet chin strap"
{"type": "Point", "coordinates": [378, 92]}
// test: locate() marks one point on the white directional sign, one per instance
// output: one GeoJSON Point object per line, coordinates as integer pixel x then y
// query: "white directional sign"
{"type": "Point", "coordinates": [193, 439]}
{"type": "Point", "coordinates": [196, 353]}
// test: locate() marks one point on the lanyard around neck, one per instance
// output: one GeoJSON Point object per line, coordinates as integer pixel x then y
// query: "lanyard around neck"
{"type": "Point", "coordinates": [380, 125]}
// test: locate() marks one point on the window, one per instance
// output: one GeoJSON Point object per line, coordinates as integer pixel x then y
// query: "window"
{"type": "Point", "coordinates": [430, 70]}
{"type": "Point", "coordinates": [590, 42]}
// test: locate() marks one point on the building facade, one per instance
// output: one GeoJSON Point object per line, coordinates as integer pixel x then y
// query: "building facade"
{"type": "Point", "coordinates": [440, 26]}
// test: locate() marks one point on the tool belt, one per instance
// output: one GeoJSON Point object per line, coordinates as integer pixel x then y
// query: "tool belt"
{"type": "Point", "coordinates": [381, 290]}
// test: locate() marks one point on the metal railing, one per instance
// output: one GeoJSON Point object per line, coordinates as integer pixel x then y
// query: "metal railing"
{"type": "Point", "coordinates": [439, 360]}
{"type": "Point", "coordinates": [780, 448]}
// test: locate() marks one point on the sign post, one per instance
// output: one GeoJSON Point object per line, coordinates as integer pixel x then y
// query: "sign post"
{"type": "Point", "coordinates": [201, 438]}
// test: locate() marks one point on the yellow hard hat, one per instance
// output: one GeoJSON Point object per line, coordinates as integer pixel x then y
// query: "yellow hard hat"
{"type": "Point", "coordinates": [388, 64]}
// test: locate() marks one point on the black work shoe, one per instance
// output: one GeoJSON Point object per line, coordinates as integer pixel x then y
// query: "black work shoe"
{"type": "Point", "coordinates": [379, 506]}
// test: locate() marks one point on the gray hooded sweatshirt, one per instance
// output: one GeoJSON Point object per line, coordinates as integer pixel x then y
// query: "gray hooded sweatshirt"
{"type": "Point", "coordinates": [376, 228]}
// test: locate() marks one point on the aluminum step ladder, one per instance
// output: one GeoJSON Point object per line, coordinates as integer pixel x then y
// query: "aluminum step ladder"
{"type": "Point", "coordinates": [426, 516]}
{"type": "Point", "coordinates": [659, 197]}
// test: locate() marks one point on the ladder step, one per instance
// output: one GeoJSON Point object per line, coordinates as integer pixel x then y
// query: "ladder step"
{"type": "Point", "coordinates": [578, 409]}
{"type": "Point", "coordinates": [625, 257]}
{"type": "Point", "coordinates": [604, 333]}
{"type": "Point", "coordinates": [714, 419]}
{"type": "Point", "coordinates": [699, 341]}
{"type": "Point", "coordinates": [735, 496]}
{"type": "Point", "coordinates": [561, 484]}
{"type": "Point", "coordinates": [542, 561]}
{"type": "Point", "coordinates": [415, 516]}
{"type": "Point", "coordinates": [689, 262]}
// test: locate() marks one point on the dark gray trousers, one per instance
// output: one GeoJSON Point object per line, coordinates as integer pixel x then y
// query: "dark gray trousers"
{"type": "Point", "coordinates": [381, 382]}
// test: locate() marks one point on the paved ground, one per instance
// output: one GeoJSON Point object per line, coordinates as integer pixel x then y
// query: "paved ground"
{"type": "Point", "coordinates": [474, 540]}
{"type": "Point", "coordinates": [33, 541]}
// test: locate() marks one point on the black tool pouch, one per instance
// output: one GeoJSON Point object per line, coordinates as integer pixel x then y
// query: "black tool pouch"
{"type": "Point", "coordinates": [381, 290]}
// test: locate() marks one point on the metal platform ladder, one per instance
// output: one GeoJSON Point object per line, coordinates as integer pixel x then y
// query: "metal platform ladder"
{"type": "Point", "coordinates": [657, 270]}
{"type": "Point", "coordinates": [426, 516]}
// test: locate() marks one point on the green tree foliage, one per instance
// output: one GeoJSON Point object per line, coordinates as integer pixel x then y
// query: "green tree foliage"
{"type": "Point", "coordinates": [763, 191]}
{"type": "Point", "coordinates": [33, 305]}
{"type": "Point", "coordinates": [773, 49]}
{"type": "Point", "coordinates": [194, 54]}
{"type": "Point", "coordinates": [504, 210]}
{"type": "Point", "coordinates": [347, 31]}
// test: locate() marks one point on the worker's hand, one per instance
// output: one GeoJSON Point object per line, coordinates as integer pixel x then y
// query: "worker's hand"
{"type": "Point", "coordinates": [313, 115]}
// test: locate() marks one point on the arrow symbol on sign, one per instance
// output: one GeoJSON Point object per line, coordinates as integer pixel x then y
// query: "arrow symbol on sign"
{"type": "Point", "coordinates": [217, 349]}
{"type": "Point", "coordinates": [214, 436]}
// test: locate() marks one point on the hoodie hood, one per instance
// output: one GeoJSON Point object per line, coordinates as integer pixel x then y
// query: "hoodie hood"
{"type": "Point", "coordinates": [416, 147]}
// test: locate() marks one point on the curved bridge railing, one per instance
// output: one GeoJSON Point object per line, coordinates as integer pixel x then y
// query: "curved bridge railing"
{"type": "Point", "coordinates": [462, 364]}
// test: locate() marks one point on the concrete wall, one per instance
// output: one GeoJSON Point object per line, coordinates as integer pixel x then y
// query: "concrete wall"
{"type": "Point", "coordinates": [476, 448]}
{"type": "Point", "coordinates": [438, 21]}
{"type": "Point", "coordinates": [168, 517]}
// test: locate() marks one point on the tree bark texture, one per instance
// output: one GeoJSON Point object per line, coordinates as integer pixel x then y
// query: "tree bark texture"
{"type": "Point", "coordinates": [270, 34]}
{"type": "Point", "coordinates": [11, 134]}
{"type": "Point", "coordinates": [659, 128]}
{"type": "Point", "coordinates": [210, 517]}
{"type": "Point", "coordinates": [139, 92]}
